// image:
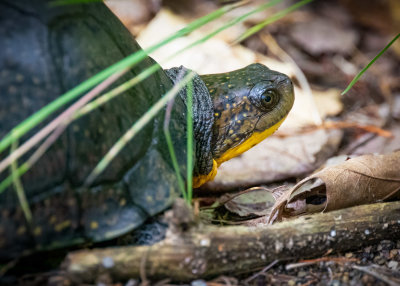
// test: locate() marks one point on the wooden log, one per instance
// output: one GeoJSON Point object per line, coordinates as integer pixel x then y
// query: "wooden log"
{"type": "Point", "coordinates": [208, 251]}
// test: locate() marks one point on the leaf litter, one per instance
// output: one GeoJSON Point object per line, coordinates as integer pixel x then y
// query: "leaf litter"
{"type": "Point", "coordinates": [361, 180]}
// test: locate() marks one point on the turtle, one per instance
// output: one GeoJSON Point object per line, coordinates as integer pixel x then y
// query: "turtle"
{"type": "Point", "coordinates": [48, 50]}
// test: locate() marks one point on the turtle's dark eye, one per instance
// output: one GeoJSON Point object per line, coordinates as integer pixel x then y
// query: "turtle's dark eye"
{"type": "Point", "coordinates": [269, 98]}
{"type": "Point", "coordinates": [264, 96]}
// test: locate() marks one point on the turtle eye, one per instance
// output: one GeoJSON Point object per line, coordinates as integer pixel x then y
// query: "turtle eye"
{"type": "Point", "coordinates": [264, 96]}
{"type": "Point", "coordinates": [269, 98]}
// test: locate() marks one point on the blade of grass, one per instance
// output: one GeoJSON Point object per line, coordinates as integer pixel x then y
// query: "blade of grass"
{"type": "Point", "coordinates": [149, 115]}
{"type": "Point", "coordinates": [19, 189]}
{"type": "Point", "coordinates": [270, 20]}
{"type": "Point", "coordinates": [170, 145]}
{"type": "Point", "coordinates": [128, 62]}
{"type": "Point", "coordinates": [357, 77]}
{"type": "Point", "coordinates": [171, 149]}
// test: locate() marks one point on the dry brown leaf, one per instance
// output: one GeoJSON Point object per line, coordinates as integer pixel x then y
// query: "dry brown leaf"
{"type": "Point", "coordinates": [362, 180]}
{"type": "Point", "coordinates": [321, 35]}
{"type": "Point", "coordinates": [254, 201]}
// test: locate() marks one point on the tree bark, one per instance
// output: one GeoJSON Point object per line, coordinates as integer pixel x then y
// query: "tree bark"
{"type": "Point", "coordinates": [208, 251]}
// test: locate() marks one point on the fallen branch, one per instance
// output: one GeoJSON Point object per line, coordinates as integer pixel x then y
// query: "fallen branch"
{"type": "Point", "coordinates": [209, 251]}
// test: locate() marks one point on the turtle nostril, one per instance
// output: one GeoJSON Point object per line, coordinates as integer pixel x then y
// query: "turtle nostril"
{"type": "Point", "coordinates": [285, 80]}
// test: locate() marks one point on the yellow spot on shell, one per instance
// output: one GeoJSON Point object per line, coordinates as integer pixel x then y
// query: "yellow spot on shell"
{"type": "Point", "coordinates": [230, 131]}
{"type": "Point", "coordinates": [94, 225]}
{"type": "Point", "coordinates": [52, 219]}
{"type": "Point", "coordinates": [216, 114]}
{"type": "Point", "coordinates": [21, 230]}
{"type": "Point", "coordinates": [62, 225]}
{"type": "Point", "coordinates": [37, 231]}
{"type": "Point", "coordinates": [19, 78]}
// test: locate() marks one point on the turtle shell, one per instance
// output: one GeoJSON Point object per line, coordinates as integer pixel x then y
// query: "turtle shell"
{"type": "Point", "coordinates": [45, 52]}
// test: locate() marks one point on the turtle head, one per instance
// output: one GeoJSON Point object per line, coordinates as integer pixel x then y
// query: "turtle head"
{"type": "Point", "coordinates": [249, 105]}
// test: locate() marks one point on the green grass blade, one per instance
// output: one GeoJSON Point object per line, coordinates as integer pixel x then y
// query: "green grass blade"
{"type": "Point", "coordinates": [19, 188]}
{"type": "Point", "coordinates": [116, 91]}
{"type": "Point", "coordinates": [149, 115]}
{"type": "Point", "coordinates": [228, 25]}
{"type": "Point", "coordinates": [357, 77]}
{"type": "Point", "coordinates": [270, 20]}
{"type": "Point", "coordinates": [17, 172]}
{"type": "Point", "coordinates": [171, 150]}
{"type": "Point", "coordinates": [175, 164]}
{"type": "Point", "coordinates": [129, 61]}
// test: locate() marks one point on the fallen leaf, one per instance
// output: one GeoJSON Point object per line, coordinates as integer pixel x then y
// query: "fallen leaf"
{"type": "Point", "coordinates": [213, 56]}
{"type": "Point", "coordinates": [328, 102]}
{"type": "Point", "coordinates": [254, 201]}
{"type": "Point", "coordinates": [361, 180]}
{"type": "Point", "coordinates": [134, 14]}
{"type": "Point", "coordinates": [322, 35]}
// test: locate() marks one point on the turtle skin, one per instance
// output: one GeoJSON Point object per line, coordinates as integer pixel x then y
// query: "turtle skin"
{"type": "Point", "coordinates": [45, 52]}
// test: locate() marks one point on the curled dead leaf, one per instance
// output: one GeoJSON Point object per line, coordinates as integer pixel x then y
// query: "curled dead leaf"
{"type": "Point", "coordinates": [361, 180]}
{"type": "Point", "coordinates": [253, 201]}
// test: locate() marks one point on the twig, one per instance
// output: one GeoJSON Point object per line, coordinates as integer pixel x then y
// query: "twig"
{"type": "Point", "coordinates": [385, 278]}
{"type": "Point", "coordinates": [265, 269]}
{"type": "Point", "coordinates": [322, 259]}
